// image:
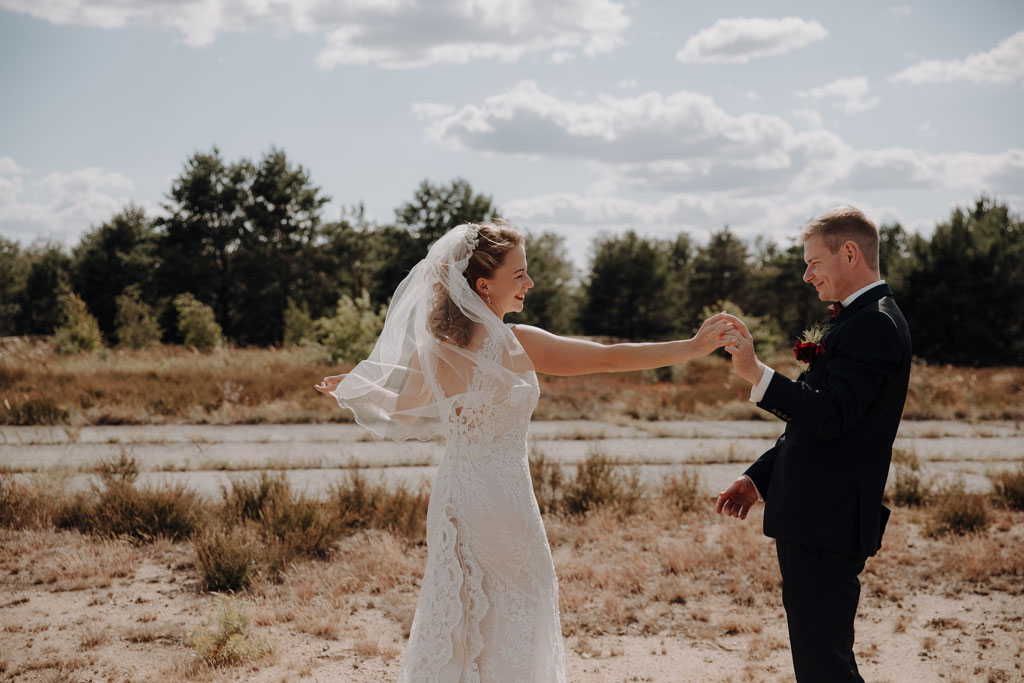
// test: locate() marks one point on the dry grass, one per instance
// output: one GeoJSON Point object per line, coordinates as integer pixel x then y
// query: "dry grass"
{"type": "Point", "coordinates": [172, 384]}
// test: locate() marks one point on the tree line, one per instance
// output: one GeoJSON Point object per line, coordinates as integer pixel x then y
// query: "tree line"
{"type": "Point", "coordinates": [247, 241]}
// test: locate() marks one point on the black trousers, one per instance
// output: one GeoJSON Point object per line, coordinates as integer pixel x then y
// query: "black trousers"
{"type": "Point", "coordinates": [820, 591]}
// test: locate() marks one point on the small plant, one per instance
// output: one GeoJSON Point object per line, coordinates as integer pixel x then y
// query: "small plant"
{"type": "Point", "coordinates": [1008, 488]}
{"type": "Point", "coordinates": [599, 482]}
{"type": "Point", "coordinates": [228, 639]}
{"type": "Point", "coordinates": [228, 557]}
{"type": "Point", "coordinates": [197, 324]}
{"type": "Point", "coordinates": [33, 411]}
{"type": "Point", "coordinates": [908, 488]}
{"type": "Point", "coordinates": [547, 480]}
{"type": "Point", "coordinates": [78, 330]}
{"type": "Point", "coordinates": [683, 491]}
{"type": "Point", "coordinates": [958, 512]}
{"type": "Point", "coordinates": [137, 327]}
{"type": "Point", "coordinates": [298, 324]}
{"type": "Point", "coordinates": [358, 504]}
{"type": "Point", "coordinates": [117, 508]}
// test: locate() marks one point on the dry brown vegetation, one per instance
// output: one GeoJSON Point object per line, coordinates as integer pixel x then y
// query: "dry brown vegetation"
{"type": "Point", "coordinates": [642, 573]}
{"type": "Point", "coordinates": [246, 386]}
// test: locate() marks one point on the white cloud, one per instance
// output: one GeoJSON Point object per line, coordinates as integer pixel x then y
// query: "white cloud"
{"type": "Point", "coordinates": [388, 33]}
{"type": "Point", "coordinates": [683, 143]}
{"type": "Point", "coordinates": [927, 128]}
{"type": "Point", "coordinates": [898, 10]}
{"type": "Point", "coordinates": [62, 204]}
{"type": "Point", "coordinates": [1002, 64]}
{"type": "Point", "coordinates": [848, 94]}
{"type": "Point", "coordinates": [741, 39]}
{"type": "Point", "coordinates": [628, 83]}
{"type": "Point", "coordinates": [807, 117]}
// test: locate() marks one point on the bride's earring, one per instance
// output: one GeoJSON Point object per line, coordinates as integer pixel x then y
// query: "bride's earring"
{"type": "Point", "coordinates": [489, 300]}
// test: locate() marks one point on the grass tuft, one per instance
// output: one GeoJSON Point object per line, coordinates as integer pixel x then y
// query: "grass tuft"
{"type": "Point", "coordinates": [1008, 488]}
{"type": "Point", "coordinates": [228, 639]}
{"type": "Point", "coordinates": [957, 512]}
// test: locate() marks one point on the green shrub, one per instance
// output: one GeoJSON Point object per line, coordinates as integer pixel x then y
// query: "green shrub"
{"type": "Point", "coordinates": [298, 324]}
{"type": "Point", "coordinates": [197, 324]}
{"type": "Point", "coordinates": [765, 330]}
{"type": "Point", "coordinates": [228, 639]}
{"type": "Point", "coordinates": [957, 512]}
{"type": "Point", "coordinates": [228, 557]}
{"type": "Point", "coordinates": [351, 332]}
{"type": "Point", "coordinates": [78, 330]}
{"type": "Point", "coordinates": [137, 327]}
{"type": "Point", "coordinates": [1008, 488]}
{"type": "Point", "coordinates": [908, 489]}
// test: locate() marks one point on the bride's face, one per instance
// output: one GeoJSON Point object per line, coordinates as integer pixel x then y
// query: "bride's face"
{"type": "Point", "coordinates": [508, 286]}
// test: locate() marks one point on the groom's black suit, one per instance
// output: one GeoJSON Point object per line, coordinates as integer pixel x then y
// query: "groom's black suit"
{"type": "Point", "coordinates": [823, 481]}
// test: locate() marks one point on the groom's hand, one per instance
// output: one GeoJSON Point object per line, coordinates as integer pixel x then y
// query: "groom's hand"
{"type": "Point", "coordinates": [737, 500]}
{"type": "Point", "coordinates": [741, 348]}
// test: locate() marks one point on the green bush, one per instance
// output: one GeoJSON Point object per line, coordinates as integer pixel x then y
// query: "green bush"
{"type": "Point", "coordinates": [228, 639]}
{"type": "Point", "coordinates": [298, 324]}
{"type": "Point", "coordinates": [197, 324]}
{"type": "Point", "coordinates": [351, 332]}
{"type": "Point", "coordinates": [78, 330]}
{"type": "Point", "coordinates": [137, 327]}
{"type": "Point", "coordinates": [765, 330]}
{"type": "Point", "coordinates": [1008, 488]}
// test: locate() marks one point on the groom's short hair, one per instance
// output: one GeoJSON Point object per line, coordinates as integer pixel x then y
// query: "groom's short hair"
{"type": "Point", "coordinates": [845, 224]}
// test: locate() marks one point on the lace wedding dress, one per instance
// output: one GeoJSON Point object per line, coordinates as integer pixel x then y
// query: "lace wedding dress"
{"type": "Point", "coordinates": [488, 606]}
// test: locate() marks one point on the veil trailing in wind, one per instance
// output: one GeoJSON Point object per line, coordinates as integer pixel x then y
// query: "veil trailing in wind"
{"type": "Point", "coordinates": [442, 351]}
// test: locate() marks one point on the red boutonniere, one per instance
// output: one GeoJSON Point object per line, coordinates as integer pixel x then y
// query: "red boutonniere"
{"type": "Point", "coordinates": [809, 346]}
{"type": "Point", "coordinates": [806, 352]}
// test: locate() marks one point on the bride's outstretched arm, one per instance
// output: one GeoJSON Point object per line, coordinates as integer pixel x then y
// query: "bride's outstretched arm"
{"type": "Point", "coordinates": [554, 355]}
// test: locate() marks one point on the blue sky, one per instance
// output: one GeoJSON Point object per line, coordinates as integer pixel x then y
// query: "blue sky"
{"type": "Point", "coordinates": [581, 116]}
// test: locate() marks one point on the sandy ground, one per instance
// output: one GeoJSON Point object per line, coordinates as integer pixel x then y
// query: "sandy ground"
{"type": "Point", "coordinates": [78, 609]}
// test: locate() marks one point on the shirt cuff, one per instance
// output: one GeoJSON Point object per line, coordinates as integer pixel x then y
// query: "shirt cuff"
{"type": "Point", "coordinates": [760, 498]}
{"type": "Point", "coordinates": [757, 392]}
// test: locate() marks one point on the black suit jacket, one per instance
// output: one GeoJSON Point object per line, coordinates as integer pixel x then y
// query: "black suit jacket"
{"type": "Point", "coordinates": [823, 481]}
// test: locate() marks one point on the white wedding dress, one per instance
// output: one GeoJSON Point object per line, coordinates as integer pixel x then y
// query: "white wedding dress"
{"type": "Point", "coordinates": [488, 606]}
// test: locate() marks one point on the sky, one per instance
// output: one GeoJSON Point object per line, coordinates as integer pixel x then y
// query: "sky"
{"type": "Point", "coordinates": [582, 117]}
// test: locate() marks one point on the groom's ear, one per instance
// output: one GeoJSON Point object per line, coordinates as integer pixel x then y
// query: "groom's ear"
{"type": "Point", "coordinates": [851, 252]}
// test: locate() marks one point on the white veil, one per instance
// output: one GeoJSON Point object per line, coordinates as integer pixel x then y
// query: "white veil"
{"type": "Point", "coordinates": [435, 356]}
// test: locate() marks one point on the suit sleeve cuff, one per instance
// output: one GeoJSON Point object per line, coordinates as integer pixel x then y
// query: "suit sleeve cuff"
{"type": "Point", "coordinates": [757, 392]}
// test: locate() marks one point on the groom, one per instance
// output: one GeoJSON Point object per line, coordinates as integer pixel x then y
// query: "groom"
{"type": "Point", "coordinates": [822, 482]}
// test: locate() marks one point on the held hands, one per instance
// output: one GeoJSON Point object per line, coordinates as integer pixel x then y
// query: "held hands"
{"type": "Point", "coordinates": [713, 334]}
{"type": "Point", "coordinates": [740, 345]}
{"type": "Point", "coordinates": [737, 500]}
{"type": "Point", "coordinates": [329, 384]}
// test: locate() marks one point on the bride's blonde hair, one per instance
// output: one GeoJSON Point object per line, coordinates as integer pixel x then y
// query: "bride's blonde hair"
{"type": "Point", "coordinates": [447, 321]}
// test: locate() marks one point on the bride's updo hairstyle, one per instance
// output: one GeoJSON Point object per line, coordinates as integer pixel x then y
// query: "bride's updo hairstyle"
{"type": "Point", "coordinates": [447, 321]}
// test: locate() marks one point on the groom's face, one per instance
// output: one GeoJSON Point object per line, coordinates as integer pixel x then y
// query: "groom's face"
{"type": "Point", "coordinates": [824, 269]}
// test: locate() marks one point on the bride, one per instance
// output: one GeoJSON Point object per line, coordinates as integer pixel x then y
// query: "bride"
{"type": "Point", "coordinates": [446, 364]}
